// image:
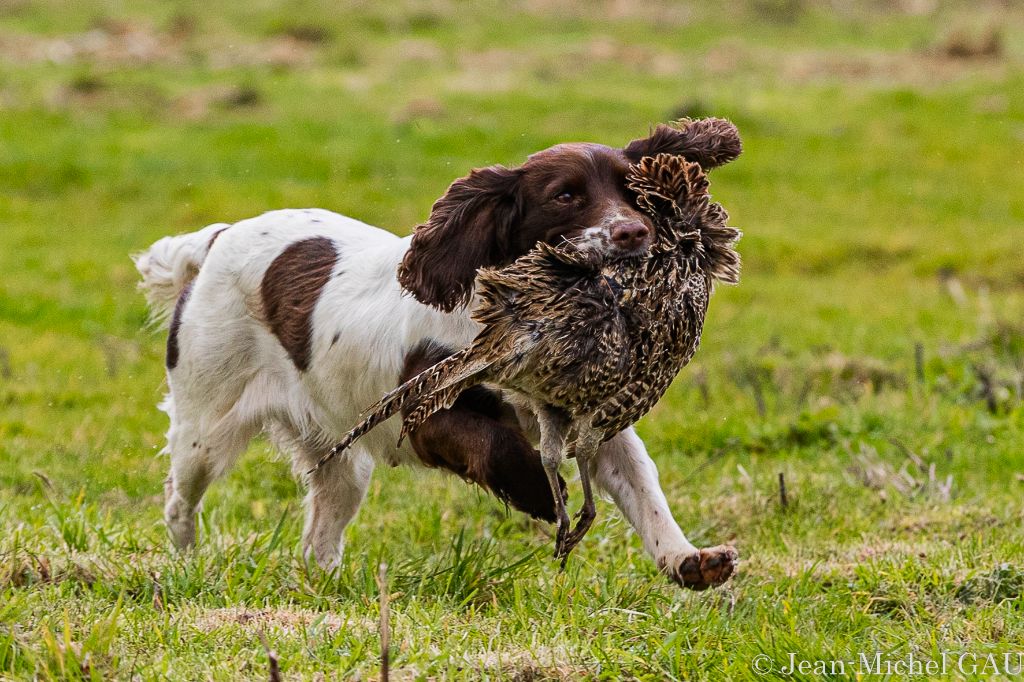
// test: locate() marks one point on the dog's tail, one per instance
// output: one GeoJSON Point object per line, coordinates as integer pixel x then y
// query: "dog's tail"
{"type": "Point", "coordinates": [169, 265]}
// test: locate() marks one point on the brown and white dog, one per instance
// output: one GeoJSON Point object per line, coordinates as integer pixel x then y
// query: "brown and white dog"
{"type": "Point", "coordinates": [294, 321]}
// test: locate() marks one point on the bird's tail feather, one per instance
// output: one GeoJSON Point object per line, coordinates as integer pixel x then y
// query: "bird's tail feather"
{"type": "Point", "coordinates": [429, 391]}
{"type": "Point", "coordinates": [438, 399]}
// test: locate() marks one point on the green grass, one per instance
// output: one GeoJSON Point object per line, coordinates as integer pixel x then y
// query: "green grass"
{"type": "Point", "coordinates": [882, 203]}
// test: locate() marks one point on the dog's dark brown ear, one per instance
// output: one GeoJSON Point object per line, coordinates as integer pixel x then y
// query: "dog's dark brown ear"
{"type": "Point", "coordinates": [710, 142]}
{"type": "Point", "coordinates": [469, 228]}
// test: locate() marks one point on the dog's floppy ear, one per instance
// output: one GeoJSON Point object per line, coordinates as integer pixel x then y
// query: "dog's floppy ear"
{"type": "Point", "coordinates": [710, 142]}
{"type": "Point", "coordinates": [469, 228]}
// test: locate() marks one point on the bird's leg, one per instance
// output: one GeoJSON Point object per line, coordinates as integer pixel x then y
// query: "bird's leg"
{"type": "Point", "coordinates": [553, 429]}
{"type": "Point", "coordinates": [586, 444]}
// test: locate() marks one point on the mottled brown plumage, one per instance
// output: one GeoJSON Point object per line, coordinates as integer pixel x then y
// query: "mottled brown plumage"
{"type": "Point", "coordinates": [593, 344]}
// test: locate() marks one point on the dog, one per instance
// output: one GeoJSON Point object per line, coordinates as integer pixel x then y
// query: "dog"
{"type": "Point", "coordinates": [290, 323]}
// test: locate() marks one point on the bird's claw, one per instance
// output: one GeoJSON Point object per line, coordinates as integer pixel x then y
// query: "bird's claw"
{"type": "Point", "coordinates": [560, 537]}
{"type": "Point", "coordinates": [567, 539]}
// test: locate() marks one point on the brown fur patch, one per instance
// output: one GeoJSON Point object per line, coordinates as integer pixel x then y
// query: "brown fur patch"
{"type": "Point", "coordinates": [709, 142]}
{"type": "Point", "coordinates": [290, 289]}
{"type": "Point", "coordinates": [172, 332]}
{"type": "Point", "coordinates": [480, 440]}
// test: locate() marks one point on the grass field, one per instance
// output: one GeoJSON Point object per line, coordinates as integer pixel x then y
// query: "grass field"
{"type": "Point", "coordinates": [873, 352]}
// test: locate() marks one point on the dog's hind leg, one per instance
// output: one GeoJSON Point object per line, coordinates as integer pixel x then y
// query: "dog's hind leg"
{"type": "Point", "coordinates": [479, 439]}
{"type": "Point", "coordinates": [201, 449]}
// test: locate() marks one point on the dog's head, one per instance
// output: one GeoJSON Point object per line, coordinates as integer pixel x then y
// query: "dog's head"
{"type": "Point", "coordinates": [567, 193]}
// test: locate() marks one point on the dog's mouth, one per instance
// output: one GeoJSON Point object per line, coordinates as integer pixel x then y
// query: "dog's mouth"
{"type": "Point", "coordinates": [617, 253]}
{"type": "Point", "coordinates": [598, 242]}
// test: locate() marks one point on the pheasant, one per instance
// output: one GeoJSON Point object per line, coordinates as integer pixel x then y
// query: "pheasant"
{"type": "Point", "coordinates": [591, 344]}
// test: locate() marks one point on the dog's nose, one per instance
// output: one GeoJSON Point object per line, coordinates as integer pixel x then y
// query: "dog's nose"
{"type": "Point", "coordinates": [629, 236]}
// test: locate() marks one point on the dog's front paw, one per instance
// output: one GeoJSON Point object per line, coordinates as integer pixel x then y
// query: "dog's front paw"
{"type": "Point", "coordinates": [708, 567]}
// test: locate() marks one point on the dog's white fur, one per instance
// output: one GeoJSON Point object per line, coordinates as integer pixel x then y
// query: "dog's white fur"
{"type": "Point", "coordinates": [233, 379]}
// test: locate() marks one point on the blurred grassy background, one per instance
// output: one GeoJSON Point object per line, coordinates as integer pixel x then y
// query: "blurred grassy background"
{"type": "Point", "coordinates": [874, 351]}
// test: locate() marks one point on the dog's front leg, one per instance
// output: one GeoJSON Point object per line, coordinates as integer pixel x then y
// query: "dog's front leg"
{"type": "Point", "coordinates": [625, 471]}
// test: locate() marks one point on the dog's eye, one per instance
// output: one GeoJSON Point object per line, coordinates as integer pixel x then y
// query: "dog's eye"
{"type": "Point", "coordinates": [564, 197]}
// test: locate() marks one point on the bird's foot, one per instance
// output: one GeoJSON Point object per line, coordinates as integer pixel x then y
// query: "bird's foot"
{"type": "Point", "coordinates": [708, 567]}
{"type": "Point", "coordinates": [567, 542]}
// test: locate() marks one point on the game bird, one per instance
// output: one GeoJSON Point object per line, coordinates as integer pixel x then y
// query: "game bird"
{"type": "Point", "coordinates": [589, 344]}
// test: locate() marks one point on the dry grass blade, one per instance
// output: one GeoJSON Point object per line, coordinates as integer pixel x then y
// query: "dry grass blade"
{"type": "Point", "coordinates": [385, 623]}
{"type": "Point", "coordinates": [275, 668]}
